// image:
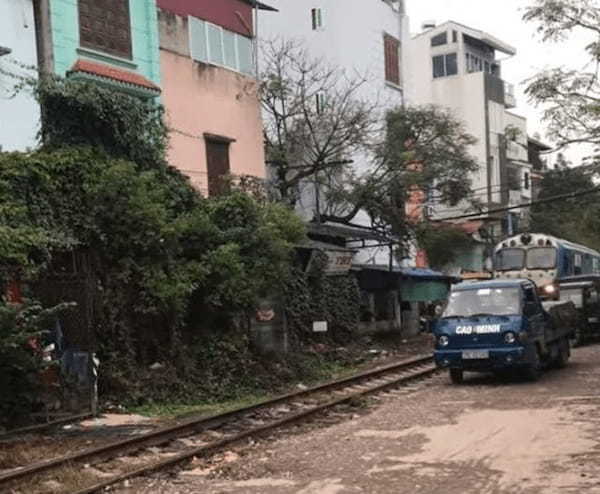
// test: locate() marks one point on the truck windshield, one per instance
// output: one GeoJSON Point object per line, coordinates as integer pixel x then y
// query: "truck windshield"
{"type": "Point", "coordinates": [509, 260]}
{"type": "Point", "coordinates": [541, 258]}
{"type": "Point", "coordinates": [483, 301]}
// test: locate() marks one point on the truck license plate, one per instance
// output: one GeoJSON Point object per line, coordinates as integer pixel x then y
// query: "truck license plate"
{"type": "Point", "coordinates": [475, 354]}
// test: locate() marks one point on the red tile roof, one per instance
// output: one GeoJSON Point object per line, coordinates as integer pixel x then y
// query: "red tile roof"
{"type": "Point", "coordinates": [109, 72]}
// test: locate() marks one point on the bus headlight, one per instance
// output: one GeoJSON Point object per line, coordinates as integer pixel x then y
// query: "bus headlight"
{"type": "Point", "coordinates": [510, 338]}
{"type": "Point", "coordinates": [443, 340]}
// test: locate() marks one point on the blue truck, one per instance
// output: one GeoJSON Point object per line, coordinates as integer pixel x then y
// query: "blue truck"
{"type": "Point", "coordinates": [502, 325]}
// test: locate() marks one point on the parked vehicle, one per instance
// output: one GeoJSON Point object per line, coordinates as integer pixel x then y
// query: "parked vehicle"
{"type": "Point", "coordinates": [545, 260]}
{"type": "Point", "coordinates": [501, 325]}
{"type": "Point", "coordinates": [584, 292]}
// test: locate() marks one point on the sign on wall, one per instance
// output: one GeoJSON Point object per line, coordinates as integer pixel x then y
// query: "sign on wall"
{"type": "Point", "coordinates": [339, 262]}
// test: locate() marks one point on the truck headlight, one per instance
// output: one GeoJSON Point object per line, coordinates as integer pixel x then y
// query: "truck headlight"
{"type": "Point", "coordinates": [549, 289]}
{"type": "Point", "coordinates": [510, 338]}
{"type": "Point", "coordinates": [443, 340]}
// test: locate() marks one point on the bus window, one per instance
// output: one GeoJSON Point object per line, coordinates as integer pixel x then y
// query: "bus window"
{"type": "Point", "coordinates": [541, 258]}
{"type": "Point", "coordinates": [509, 259]}
{"type": "Point", "coordinates": [577, 264]}
{"type": "Point", "coordinates": [566, 264]}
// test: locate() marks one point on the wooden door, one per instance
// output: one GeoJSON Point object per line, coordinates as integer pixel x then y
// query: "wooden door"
{"type": "Point", "coordinates": [217, 163]}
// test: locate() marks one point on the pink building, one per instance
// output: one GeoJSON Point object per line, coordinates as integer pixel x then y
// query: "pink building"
{"type": "Point", "coordinates": [210, 90]}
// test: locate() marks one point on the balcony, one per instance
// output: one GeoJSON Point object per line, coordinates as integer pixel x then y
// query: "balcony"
{"type": "Point", "coordinates": [510, 101]}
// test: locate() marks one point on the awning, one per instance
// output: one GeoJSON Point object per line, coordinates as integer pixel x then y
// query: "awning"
{"type": "Point", "coordinates": [348, 233]}
{"type": "Point", "coordinates": [415, 290]}
{"type": "Point", "coordinates": [100, 72]}
{"type": "Point", "coordinates": [260, 5]}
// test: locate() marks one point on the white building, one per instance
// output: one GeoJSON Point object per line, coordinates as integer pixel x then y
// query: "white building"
{"type": "Point", "coordinates": [365, 37]}
{"type": "Point", "coordinates": [19, 115]}
{"type": "Point", "coordinates": [460, 68]}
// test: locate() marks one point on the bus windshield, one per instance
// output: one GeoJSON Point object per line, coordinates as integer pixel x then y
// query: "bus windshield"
{"type": "Point", "coordinates": [509, 259]}
{"type": "Point", "coordinates": [541, 258]}
{"type": "Point", "coordinates": [483, 302]}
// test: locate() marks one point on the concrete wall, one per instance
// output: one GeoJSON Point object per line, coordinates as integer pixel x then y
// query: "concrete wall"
{"type": "Point", "coordinates": [64, 19]}
{"type": "Point", "coordinates": [19, 116]}
{"type": "Point", "coordinates": [201, 98]}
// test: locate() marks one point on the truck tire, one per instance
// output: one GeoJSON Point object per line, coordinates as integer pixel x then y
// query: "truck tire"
{"type": "Point", "coordinates": [564, 352]}
{"type": "Point", "coordinates": [533, 371]}
{"type": "Point", "coordinates": [456, 376]}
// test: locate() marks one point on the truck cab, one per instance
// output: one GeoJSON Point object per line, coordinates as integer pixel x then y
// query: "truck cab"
{"type": "Point", "coordinates": [499, 325]}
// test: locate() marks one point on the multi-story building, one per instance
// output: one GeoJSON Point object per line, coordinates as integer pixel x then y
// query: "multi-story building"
{"type": "Point", "coordinates": [460, 68]}
{"type": "Point", "coordinates": [210, 89]}
{"type": "Point", "coordinates": [362, 37]}
{"type": "Point", "coordinates": [17, 50]}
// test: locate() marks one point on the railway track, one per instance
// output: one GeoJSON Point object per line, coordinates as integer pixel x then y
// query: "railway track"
{"type": "Point", "coordinates": [165, 448]}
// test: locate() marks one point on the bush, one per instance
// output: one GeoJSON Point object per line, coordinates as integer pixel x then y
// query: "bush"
{"type": "Point", "coordinates": [22, 328]}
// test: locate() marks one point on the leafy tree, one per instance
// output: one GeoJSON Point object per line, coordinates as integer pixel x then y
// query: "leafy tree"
{"type": "Point", "coordinates": [157, 248]}
{"type": "Point", "coordinates": [319, 118]}
{"type": "Point", "coordinates": [22, 328]}
{"type": "Point", "coordinates": [571, 97]}
{"type": "Point", "coordinates": [314, 117]}
{"type": "Point", "coordinates": [425, 149]}
{"type": "Point", "coordinates": [442, 243]}
{"type": "Point", "coordinates": [574, 219]}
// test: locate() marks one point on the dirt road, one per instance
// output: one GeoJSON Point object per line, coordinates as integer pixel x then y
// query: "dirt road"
{"type": "Point", "coordinates": [487, 436]}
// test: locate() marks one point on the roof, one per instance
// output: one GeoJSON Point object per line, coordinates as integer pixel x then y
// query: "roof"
{"type": "Point", "coordinates": [539, 144]}
{"type": "Point", "coordinates": [313, 244]}
{"type": "Point", "coordinates": [482, 36]}
{"type": "Point", "coordinates": [260, 5]}
{"type": "Point", "coordinates": [503, 283]}
{"type": "Point", "coordinates": [343, 231]}
{"type": "Point", "coordinates": [112, 73]}
{"type": "Point", "coordinates": [420, 274]}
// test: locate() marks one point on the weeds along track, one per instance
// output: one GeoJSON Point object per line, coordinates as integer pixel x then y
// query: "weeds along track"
{"type": "Point", "coordinates": [46, 426]}
{"type": "Point", "coordinates": [103, 466]}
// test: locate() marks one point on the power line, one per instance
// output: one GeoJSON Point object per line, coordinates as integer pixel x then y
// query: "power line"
{"type": "Point", "coordinates": [571, 195]}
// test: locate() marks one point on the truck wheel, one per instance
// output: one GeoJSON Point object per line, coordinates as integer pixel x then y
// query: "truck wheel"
{"type": "Point", "coordinates": [456, 376]}
{"type": "Point", "coordinates": [564, 353]}
{"type": "Point", "coordinates": [533, 370]}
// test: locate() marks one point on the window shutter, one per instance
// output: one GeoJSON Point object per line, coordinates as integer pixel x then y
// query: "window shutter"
{"type": "Point", "coordinates": [105, 25]}
{"type": "Point", "coordinates": [392, 59]}
{"type": "Point", "coordinates": [198, 47]}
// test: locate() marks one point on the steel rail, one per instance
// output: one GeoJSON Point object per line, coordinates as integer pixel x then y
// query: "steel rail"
{"type": "Point", "coordinates": [255, 432]}
{"type": "Point", "coordinates": [169, 433]}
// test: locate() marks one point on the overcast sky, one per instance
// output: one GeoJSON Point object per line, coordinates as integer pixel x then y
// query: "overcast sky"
{"type": "Point", "coordinates": [502, 19]}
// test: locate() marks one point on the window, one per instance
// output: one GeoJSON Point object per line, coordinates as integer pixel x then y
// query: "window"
{"type": "Point", "coordinates": [440, 39]}
{"type": "Point", "coordinates": [478, 64]}
{"type": "Point", "coordinates": [213, 44]}
{"type": "Point", "coordinates": [320, 103]}
{"type": "Point", "coordinates": [488, 301]}
{"type": "Point", "coordinates": [217, 164]}
{"type": "Point", "coordinates": [317, 19]}
{"type": "Point", "coordinates": [445, 65]}
{"type": "Point", "coordinates": [509, 260]}
{"type": "Point", "coordinates": [392, 59]}
{"type": "Point", "coordinates": [541, 258]}
{"type": "Point", "coordinates": [454, 37]}
{"type": "Point", "coordinates": [104, 25]}
{"type": "Point", "coordinates": [526, 181]}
